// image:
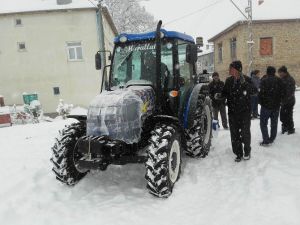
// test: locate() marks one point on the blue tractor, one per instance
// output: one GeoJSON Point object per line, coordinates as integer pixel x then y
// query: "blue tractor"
{"type": "Point", "coordinates": [151, 110]}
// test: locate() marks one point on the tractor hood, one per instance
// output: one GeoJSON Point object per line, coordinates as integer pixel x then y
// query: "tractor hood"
{"type": "Point", "coordinates": [120, 114]}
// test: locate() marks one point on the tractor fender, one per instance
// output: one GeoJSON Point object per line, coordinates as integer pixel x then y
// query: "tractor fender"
{"type": "Point", "coordinates": [165, 118]}
{"type": "Point", "coordinates": [199, 91]}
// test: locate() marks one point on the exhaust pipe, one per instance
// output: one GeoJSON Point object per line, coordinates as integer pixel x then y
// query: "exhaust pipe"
{"type": "Point", "coordinates": [158, 66]}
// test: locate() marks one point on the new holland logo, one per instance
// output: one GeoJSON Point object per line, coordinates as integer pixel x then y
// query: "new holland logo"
{"type": "Point", "coordinates": [145, 107]}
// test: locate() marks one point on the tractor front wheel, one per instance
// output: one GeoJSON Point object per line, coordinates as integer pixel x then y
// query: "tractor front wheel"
{"type": "Point", "coordinates": [65, 155]}
{"type": "Point", "coordinates": [164, 160]}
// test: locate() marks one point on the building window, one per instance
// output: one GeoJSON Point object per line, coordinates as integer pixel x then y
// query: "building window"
{"type": "Point", "coordinates": [220, 52]}
{"type": "Point", "coordinates": [21, 46]}
{"type": "Point", "coordinates": [233, 48]}
{"type": "Point", "coordinates": [18, 22]}
{"type": "Point", "coordinates": [56, 91]}
{"type": "Point", "coordinates": [266, 46]}
{"type": "Point", "coordinates": [74, 50]}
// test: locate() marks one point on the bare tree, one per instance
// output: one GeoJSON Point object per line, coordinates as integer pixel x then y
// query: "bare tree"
{"type": "Point", "coordinates": [129, 16]}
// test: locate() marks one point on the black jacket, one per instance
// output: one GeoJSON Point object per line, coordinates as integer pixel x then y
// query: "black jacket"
{"type": "Point", "coordinates": [214, 88]}
{"type": "Point", "coordinates": [289, 88]}
{"type": "Point", "coordinates": [271, 92]}
{"type": "Point", "coordinates": [238, 95]}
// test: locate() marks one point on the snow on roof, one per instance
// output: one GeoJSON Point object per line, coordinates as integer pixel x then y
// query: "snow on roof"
{"type": "Point", "coordinates": [19, 6]}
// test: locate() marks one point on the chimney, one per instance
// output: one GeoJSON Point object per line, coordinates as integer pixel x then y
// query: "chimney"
{"type": "Point", "coordinates": [63, 2]}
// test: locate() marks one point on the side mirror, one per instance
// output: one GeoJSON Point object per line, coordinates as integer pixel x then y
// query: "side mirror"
{"type": "Point", "coordinates": [98, 61]}
{"type": "Point", "coordinates": [191, 53]}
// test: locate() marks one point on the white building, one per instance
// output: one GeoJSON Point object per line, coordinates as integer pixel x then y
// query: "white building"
{"type": "Point", "coordinates": [48, 47]}
{"type": "Point", "coordinates": [206, 59]}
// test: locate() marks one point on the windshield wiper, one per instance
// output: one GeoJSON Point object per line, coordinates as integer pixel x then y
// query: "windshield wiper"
{"type": "Point", "coordinates": [125, 59]}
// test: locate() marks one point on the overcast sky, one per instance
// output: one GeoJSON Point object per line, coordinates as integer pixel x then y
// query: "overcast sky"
{"type": "Point", "coordinates": [216, 18]}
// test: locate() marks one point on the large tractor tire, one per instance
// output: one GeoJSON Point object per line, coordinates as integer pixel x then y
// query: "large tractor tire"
{"type": "Point", "coordinates": [65, 154]}
{"type": "Point", "coordinates": [199, 135]}
{"type": "Point", "coordinates": [164, 160]}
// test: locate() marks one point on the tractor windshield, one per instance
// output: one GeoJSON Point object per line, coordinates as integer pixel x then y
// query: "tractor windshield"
{"type": "Point", "coordinates": [135, 64]}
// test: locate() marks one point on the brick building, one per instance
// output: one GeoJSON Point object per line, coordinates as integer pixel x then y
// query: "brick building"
{"type": "Point", "coordinates": [276, 44]}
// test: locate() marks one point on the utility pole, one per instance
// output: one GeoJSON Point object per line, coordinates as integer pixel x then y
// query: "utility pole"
{"type": "Point", "coordinates": [250, 42]}
{"type": "Point", "coordinates": [101, 33]}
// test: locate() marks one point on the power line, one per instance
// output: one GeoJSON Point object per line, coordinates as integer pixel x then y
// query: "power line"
{"type": "Point", "coordinates": [193, 13]}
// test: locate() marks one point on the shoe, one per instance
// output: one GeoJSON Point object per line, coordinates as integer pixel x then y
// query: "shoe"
{"type": "Point", "coordinates": [291, 131]}
{"type": "Point", "coordinates": [271, 141]}
{"type": "Point", "coordinates": [247, 156]}
{"type": "Point", "coordinates": [264, 144]}
{"type": "Point", "coordinates": [238, 159]}
{"type": "Point", "coordinates": [226, 127]}
{"type": "Point", "coordinates": [284, 130]}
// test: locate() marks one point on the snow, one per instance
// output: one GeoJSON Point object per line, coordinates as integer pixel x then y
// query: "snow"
{"type": "Point", "coordinates": [78, 111]}
{"type": "Point", "coordinates": [211, 191]}
{"type": "Point", "coordinates": [16, 6]}
{"type": "Point", "coordinates": [4, 110]}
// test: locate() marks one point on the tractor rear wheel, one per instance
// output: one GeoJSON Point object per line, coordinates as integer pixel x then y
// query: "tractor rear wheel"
{"type": "Point", "coordinates": [199, 135]}
{"type": "Point", "coordinates": [164, 160]}
{"type": "Point", "coordinates": [65, 154]}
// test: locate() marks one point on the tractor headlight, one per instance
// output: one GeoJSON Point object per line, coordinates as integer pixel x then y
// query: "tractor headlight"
{"type": "Point", "coordinates": [123, 39]}
{"type": "Point", "coordinates": [162, 35]}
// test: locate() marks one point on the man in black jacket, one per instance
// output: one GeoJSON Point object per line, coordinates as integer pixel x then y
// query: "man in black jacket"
{"type": "Point", "coordinates": [270, 95]}
{"type": "Point", "coordinates": [288, 102]}
{"type": "Point", "coordinates": [238, 90]}
{"type": "Point", "coordinates": [215, 87]}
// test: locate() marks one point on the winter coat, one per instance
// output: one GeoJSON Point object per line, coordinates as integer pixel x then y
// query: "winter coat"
{"type": "Point", "coordinates": [271, 92]}
{"type": "Point", "coordinates": [238, 95]}
{"type": "Point", "coordinates": [216, 87]}
{"type": "Point", "coordinates": [256, 83]}
{"type": "Point", "coordinates": [289, 88]}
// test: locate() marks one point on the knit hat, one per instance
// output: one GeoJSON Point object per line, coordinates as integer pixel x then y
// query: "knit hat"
{"type": "Point", "coordinates": [237, 65]}
{"type": "Point", "coordinates": [271, 70]}
{"type": "Point", "coordinates": [282, 69]}
{"type": "Point", "coordinates": [215, 74]}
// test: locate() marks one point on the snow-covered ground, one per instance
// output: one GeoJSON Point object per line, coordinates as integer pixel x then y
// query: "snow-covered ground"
{"type": "Point", "coordinates": [215, 190]}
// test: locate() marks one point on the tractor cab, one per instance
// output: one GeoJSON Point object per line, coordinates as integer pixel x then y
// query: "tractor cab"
{"type": "Point", "coordinates": [163, 60]}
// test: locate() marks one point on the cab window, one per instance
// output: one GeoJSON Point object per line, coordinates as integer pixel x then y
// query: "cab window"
{"type": "Point", "coordinates": [185, 68]}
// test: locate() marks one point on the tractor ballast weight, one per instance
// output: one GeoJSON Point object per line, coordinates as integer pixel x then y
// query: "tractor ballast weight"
{"type": "Point", "coordinates": [151, 111]}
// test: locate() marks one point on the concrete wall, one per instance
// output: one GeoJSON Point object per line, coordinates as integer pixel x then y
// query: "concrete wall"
{"type": "Point", "coordinates": [286, 50]}
{"type": "Point", "coordinates": [45, 63]}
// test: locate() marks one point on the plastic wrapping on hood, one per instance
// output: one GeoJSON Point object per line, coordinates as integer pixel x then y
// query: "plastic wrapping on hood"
{"type": "Point", "coordinates": [119, 114]}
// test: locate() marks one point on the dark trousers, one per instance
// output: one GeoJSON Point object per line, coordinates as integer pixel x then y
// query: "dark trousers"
{"type": "Point", "coordinates": [265, 115]}
{"type": "Point", "coordinates": [286, 117]}
{"type": "Point", "coordinates": [240, 133]}
{"type": "Point", "coordinates": [222, 109]}
{"type": "Point", "coordinates": [254, 105]}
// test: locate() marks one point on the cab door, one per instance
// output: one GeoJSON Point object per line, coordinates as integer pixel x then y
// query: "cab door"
{"type": "Point", "coordinates": [185, 80]}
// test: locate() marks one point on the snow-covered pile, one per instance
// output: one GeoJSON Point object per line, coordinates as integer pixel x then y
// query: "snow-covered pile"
{"type": "Point", "coordinates": [214, 191]}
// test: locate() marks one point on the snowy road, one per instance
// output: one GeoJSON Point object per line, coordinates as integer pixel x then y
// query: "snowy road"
{"type": "Point", "coordinates": [262, 191]}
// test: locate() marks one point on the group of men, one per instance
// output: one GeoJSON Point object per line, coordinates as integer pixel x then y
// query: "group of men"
{"type": "Point", "coordinates": [242, 95]}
